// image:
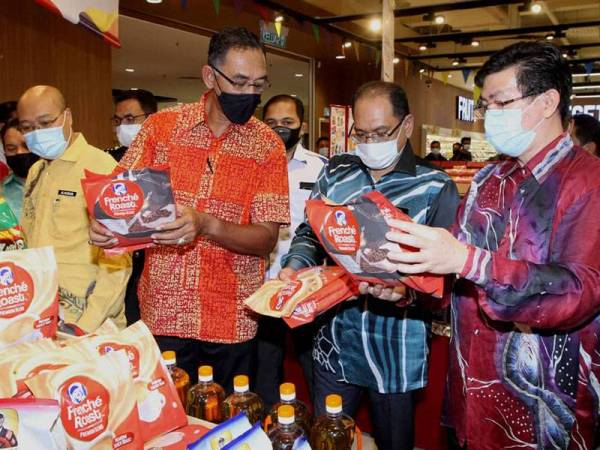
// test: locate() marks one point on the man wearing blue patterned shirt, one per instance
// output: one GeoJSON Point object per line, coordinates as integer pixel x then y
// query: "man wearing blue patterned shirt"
{"type": "Point", "coordinates": [370, 344]}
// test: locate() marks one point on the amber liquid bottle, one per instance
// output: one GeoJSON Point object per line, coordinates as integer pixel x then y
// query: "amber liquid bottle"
{"type": "Point", "coordinates": [242, 400]}
{"type": "Point", "coordinates": [287, 396]}
{"type": "Point", "coordinates": [205, 399]}
{"type": "Point", "coordinates": [180, 377]}
{"type": "Point", "coordinates": [334, 430]}
{"type": "Point", "coordinates": [286, 431]}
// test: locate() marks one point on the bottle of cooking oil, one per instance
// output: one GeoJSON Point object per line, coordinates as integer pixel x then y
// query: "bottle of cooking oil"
{"type": "Point", "coordinates": [205, 400]}
{"type": "Point", "coordinates": [334, 430]}
{"type": "Point", "coordinates": [180, 377]}
{"type": "Point", "coordinates": [286, 431]}
{"type": "Point", "coordinates": [287, 396]}
{"type": "Point", "coordinates": [242, 400]}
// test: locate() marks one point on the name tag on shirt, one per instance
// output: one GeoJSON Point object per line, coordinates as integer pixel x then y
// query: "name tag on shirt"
{"type": "Point", "coordinates": [67, 193]}
{"type": "Point", "coordinates": [307, 186]}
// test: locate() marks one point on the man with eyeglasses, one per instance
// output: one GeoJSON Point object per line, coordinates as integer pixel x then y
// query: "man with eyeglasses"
{"type": "Point", "coordinates": [369, 345]}
{"type": "Point", "coordinates": [525, 349]}
{"type": "Point", "coordinates": [91, 284]}
{"type": "Point", "coordinates": [132, 108]}
{"type": "Point", "coordinates": [229, 176]}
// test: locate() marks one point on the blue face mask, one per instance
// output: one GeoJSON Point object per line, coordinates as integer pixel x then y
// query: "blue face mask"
{"type": "Point", "coordinates": [504, 131]}
{"type": "Point", "coordinates": [48, 143]}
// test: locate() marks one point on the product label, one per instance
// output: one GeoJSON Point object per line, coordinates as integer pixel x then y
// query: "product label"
{"type": "Point", "coordinates": [121, 199]}
{"type": "Point", "coordinates": [342, 231]}
{"type": "Point", "coordinates": [84, 408]}
{"type": "Point", "coordinates": [279, 300]}
{"type": "Point", "coordinates": [16, 290]}
{"type": "Point", "coordinates": [132, 354]}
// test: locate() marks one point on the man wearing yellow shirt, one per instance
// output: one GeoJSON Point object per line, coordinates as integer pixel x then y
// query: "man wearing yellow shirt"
{"type": "Point", "coordinates": [91, 284]}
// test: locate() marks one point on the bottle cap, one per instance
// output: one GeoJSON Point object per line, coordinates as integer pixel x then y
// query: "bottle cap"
{"type": "Point", "coordinates": [287, 392]}
{"type": "Point", "coordinates": [205, 373]}
{"type": "Point", "coordinates": [169, 357]}
{"type": "Point", "coordinates": [333, 404]}
{"type": "Point", "coordinates": [285, 414]}
{"type": "Point", "coordinates": [241, 383]}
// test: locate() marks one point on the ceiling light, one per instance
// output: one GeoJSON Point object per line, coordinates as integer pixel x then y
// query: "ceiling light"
{"type": "Point", "coordinates": [536, 8]}
{"type": "Point", "coordinates": [134, 89]}
{"type": "Point", "coordinates": [588, 96]}
{"type": "Point", "coordinates": [549, 37]}
{"type": "Point", "coordinates": [396, 60]}
{"type": "Point", "coordinates": [298, 75]}
{"type": "Point", "coordinates": [581, 88]}
{"type": "Point", "coordinates": [129, 70]}
{"type": "Point", "coordinates": [475, 43]}
{"type": "Point", "coordinates": [455, 62]}
{"type": "Point", "coordinates": [375, 24]}
{"type": "Point", "coordinates": [340, 57]}
{"type": "Point", "coordinates": [450, 76]}
{"type": "Point", "coordinates": [422, 47]}
{"type": "Point", "coordinates": [565, 55]}
{"type": "Point", "coordinates": [279, 18]}
{"type": "Point", "coordinates": [585, 74]}
{"type": "Point", "coordinates": [421, 70]}
{"type": "Point", "coordinates": [154, 2]}
{"type": "Point", "coordinates": [439, 20]}
{"type": "Point", "coordinates": [346, 43]}
{"type": "Point", "coordinates": [294, 95]}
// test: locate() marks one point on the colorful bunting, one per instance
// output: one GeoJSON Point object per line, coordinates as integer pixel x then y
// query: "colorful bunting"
{"type": "Point", "coordinates": [316, 31]}
{"type": "Point", "coordinates": [99, 16]}
{"type": "Point", "coordinates": [445, 77]}
{"type": "Point", "coordinates": [466, 73]}
{"type": "Point", "coordinates": [377, 58]}
{"type": "Point", "coordinates": [476, 93]}
{"type": "Point", "coordinates": [589, 67]}
{"type": "Point", "coordinates": [278, 29]}
{"type": "Point", "coordinates": [217, 5]}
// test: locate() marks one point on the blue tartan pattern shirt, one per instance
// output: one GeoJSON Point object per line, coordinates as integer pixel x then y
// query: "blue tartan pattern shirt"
{"type": "Point", "coordinates": [370, 342]}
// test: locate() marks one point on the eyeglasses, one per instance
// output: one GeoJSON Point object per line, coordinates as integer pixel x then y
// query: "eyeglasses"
{"type": "Point", "coordinates": [360, 137]}
{"type": "Point", "coordinates": [27, 127]}
{"type": "Point", "coordinates": [482, 107]}
{"type": "Point", "coordinates": [259, 86]}
{"type": "Point", "coordinates": [127, 119]}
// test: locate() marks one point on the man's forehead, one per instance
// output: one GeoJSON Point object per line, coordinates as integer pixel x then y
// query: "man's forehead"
{"type": "Point", "coordinates": [281, 110]}
{"type": "Point", "coordinates": [500, 83]}
{"type": "Point", "coordinates": [128, 105]}
{"type": "Point", "coordinates": [241, 60]}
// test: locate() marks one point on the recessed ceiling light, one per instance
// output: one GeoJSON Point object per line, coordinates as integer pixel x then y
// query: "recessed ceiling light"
{"type": "Point", "coordinates": [439, 20]}
{"type": "Point", "coordinates": [134, 89]}
{"type": "Point", "coordinates": [423, 47]}
{"type": "Point", "coordinates": [475, 43]}
{"type": "Point", "coordinates": [279, 18]}
{"type": "Point", "coordinates": [449, 75]}
{"type": "Point", "coordinates": [455, 62]}
{"type": "Point", "coordinates": [550, 37]}
{"type": "Point", "coordinates": [421, 70]}
{"type": "Point", "coordinates": [293, 95]}
{"type": "Point", "coordinates": [536, 8]}
{"type": "Point", "coordinates": [396, 60]}
{"type": "Point", "coordinates": [340, 57]}
{"type": "Point", "coordinates": [564, 55]}
{"type": "Point", "coordinates": [129, 70]}
{"type": "Point", "coordinates": [375, 24]}
{"type": "Point", "coordinates": [346, 43]}
{"type": "Point", "coordinates": [298, 75]}
{"type": "Point", "coordinates": [154, 2]}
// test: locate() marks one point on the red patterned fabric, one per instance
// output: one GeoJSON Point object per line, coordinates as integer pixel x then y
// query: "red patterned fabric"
{"type": "Point", "coordinates": [197, 291]}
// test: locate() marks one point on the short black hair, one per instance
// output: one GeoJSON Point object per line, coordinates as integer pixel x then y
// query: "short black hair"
{"type": "Point", "coordinates": [434, 142]}
{"type": "Point", "coordinates": [587, 129]}
{"type": "Point", "coordinates": [540, 67]}
{"type": "Point", "coordinates": [464, 139]}
{"type": "Point", "coordinates": [455, 144]}
{"type": "Point", "coordinates": [146, 99]}
{"type": "Point", "coordinates": [12, 123]}
{"type": "Point", "coordinates": [321, 139]}
{"type": "Point", "coordinates": [6, 110]}
{"type": "Point", "coordinates": [229, 38]}
{"type": "Point", "coordinates": [393, 91]}
{"type": "Point", "coordinates": [286, 98]}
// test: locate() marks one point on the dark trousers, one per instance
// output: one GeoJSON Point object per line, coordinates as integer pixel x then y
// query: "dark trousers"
{"type": "Point", "coordinates": [132, 304]}
{"type": "Point", "coordinates": [391, 414]}
{"type": "Point", "coordinates": [227, 360]}
{"type": "Point", "coordinates": [270, 352]}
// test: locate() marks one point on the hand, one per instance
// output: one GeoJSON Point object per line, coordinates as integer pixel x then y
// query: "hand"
{"type": "Point", "coordinates": [100, 236]}
{"type": "Point", "coordinates": [185, 229]}
{"type": "Point", "coordinates": [383, 293]}
{"type": "Point", "coordinates": [439, 251]}
{"type": "Point", "coordinates": [286, 274]}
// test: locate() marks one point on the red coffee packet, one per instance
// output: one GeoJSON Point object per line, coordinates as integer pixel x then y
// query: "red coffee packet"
{"type": "Point", "coordinates": [131, 204]}
{"type": "Point", "coordinates": [354, 236]}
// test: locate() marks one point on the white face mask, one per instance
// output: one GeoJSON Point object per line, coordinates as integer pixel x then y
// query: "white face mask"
{"type": "Point", "coordinates": [48, 143]}
{"type": "Point", "coordinates": [380, 155]}
{"type": "Point", "coordinates": [127, 133]}
{"type": "Point", "coordinates": [435, 150]}
{"type": "Point", "coordinates": [467, 147]}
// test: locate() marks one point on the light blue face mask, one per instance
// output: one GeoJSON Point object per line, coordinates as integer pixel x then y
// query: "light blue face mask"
{"type": "Point", "coordinates": [48, 143]}
{"type": "Point", "coordinates": [504, 131]}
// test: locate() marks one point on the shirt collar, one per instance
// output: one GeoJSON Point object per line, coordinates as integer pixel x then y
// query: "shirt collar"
{"type": "Point", "coordinates": [407, 162]}
{"type": "Point", "coordinates": [73, 151]}
{"type": "Point", "coordinates": [300, 153]}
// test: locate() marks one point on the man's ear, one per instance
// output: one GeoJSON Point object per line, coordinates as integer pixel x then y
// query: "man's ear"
{"type": "Point", "coordinates": [303, 128]}
{"type": "Point", "coordinates": [409, 125]}
{"type": "Point", "coordinates": [551, 101]}
{"type": "Point", "coordinates": [208, 76]}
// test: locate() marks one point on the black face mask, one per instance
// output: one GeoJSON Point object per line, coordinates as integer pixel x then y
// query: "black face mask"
{"type": "Point", "coordinates": [238, 108]}
{"type": "Point", "coordinates": [289, 136]}
{"type": "Point", "coordinates": [21, 163]}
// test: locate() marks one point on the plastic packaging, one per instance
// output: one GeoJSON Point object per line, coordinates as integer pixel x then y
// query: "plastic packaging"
{"type": "Point", "coordinates": [223, 434]}
{"type": "Point", "coordinates": [180, 377]}
{"type": "Point", "coordinates": [253, 439]}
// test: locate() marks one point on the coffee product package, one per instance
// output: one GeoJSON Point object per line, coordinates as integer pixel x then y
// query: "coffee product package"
{"type": "Point", "coordinates": [131, 204]}
{"type": "Point", "coordinates": [159, 407]}
{"type": "Point", "coordinates": [354, 236]}
{"type": "Point", "coordinates": [223, 434]}
{"type": "Point", "coordinates": [253, 439]}
{"type": "Point", "coordinates": [31, 424]}
{"type": "Point", "coordinates": [98, 410]}
{"type": "Point", "coordinates": [178, 439]}
{"type": "Point", "coordinates": [28, 295]}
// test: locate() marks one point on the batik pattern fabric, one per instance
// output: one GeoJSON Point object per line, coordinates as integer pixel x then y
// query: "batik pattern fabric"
{"type": "Point", "coordinates": [197, 291]}
{"type": "Point", "coordinates": [525, 353]}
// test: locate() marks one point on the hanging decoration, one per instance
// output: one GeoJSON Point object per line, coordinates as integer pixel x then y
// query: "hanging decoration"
{"type": "Point", "coordinates": [466, 73]}
{"type": "Point", "coordinates": [589, 67]}
{"type": "Point", "coordinates": [278, 28]}
{"type": "Point", "coordinates": [98, 16]}
{"type": "Point", "coordinates": [445, 77]}
{"type": "Point", "coordinates": [316, 31]}
{"type": "Point", "coordinates": [217, 5]}
{"type": "Point", "coordinates": [476, 93]}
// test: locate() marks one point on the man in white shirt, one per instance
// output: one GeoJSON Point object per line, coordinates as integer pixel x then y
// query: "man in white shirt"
{"type": "Point", "coordinates": [284, 114]}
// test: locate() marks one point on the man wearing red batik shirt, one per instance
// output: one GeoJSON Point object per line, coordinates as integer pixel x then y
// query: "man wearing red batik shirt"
{"type": "Point", "coordinates": [229, 177]}
{"type": "Point", "coordinates": [525, 349]}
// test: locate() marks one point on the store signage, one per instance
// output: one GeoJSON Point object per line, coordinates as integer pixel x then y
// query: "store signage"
{"type": "Point", "coordinates": [465, 109]}
{"type": "Point", "coordinates": [269, 36]}
{"type": "Point", "coordinates": [592, 110]}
